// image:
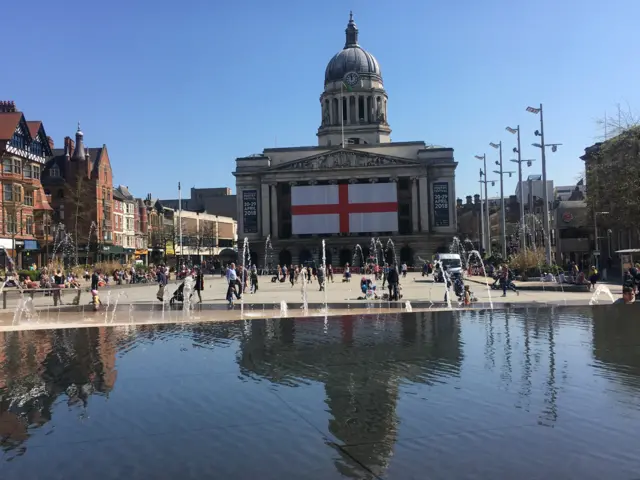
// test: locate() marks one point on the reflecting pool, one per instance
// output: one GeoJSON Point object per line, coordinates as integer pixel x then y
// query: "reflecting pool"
{"type": "Point", "coordinates": [530, 393]}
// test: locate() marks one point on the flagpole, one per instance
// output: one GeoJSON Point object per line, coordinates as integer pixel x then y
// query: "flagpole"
{"type": "Point", "coordinates": [180, 217]}
{"type": "Point", "coordinates": [342, 112]}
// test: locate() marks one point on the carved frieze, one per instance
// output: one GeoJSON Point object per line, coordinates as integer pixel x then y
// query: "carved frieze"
{"type": "Point", "coordinates": [343, 159]}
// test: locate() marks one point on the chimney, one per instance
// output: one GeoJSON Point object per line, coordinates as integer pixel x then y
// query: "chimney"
{"type": "Point", "coordinates": [50, 140]}
{"type": "Point", "coordinates": [459, 202]}
{"type": "Point", "coordinates": [476, 199]}
{"type": "Point", "coordinates": [468, 199]}
{"type": "Point", "coordinates": [69, 146]}
{"type": "Point", "coordinates": [7, 106]}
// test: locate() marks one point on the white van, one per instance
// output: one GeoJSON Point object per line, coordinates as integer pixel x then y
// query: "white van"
{"type": "Point", "coordinates": [450, 260]}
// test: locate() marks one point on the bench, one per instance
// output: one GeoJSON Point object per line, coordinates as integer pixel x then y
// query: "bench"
{"type": "Point", "coordinates": [32, 291]}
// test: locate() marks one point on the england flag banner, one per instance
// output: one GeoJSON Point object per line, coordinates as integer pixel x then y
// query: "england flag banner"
{"type": "Point", "coordinates": [345, 208]}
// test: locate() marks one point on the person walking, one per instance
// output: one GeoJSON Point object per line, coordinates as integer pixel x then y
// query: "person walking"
{"type": "Point", "coordinates": [320, 276]}
{"type": "Point", "coordinates": [330, 273]}
{"type": "Point", "coordinates": [58, 280]}
{"type": "Point", "coordinates": [293, 275]}
{"type": "Point", "coordinates": [162, 283]}
{"type": "Point", "coordinates": [506, 282]}
{"type": "Point", "coordinates": [199, 286]}
{"type": "Point", "coordinates": [253, 278]}
{"type": "Point", "coordinates": [232, 282]}
{"type": "Point", "coordinates": [392, 282]}
{"type": "Point", "coordinates": [95, 279]}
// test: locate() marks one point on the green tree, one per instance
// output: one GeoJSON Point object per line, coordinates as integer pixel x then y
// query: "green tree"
{"type": "Point", "coordinates": [613, 179]}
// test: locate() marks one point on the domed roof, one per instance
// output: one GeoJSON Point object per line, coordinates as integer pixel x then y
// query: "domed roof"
{"type": "Point", "coordinates": [352, 58]}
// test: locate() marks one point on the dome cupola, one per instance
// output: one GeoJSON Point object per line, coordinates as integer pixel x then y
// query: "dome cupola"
{"type": "Point", "coordinates": [352, 58]}
{"type": "Point", "coordinates": [354, 101]}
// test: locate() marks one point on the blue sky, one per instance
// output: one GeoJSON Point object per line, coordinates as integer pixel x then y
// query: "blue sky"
{"type": "Point", "coordinates": [178, 90]}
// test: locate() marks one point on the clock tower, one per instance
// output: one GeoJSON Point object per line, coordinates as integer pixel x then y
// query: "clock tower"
{"type": "Point", "coordinates": [354, 101]}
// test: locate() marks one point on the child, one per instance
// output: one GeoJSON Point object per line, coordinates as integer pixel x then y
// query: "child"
{"type": "Point", "coordinates": [593, 277]}
{"type": "Point", "coordinates": [467, 295]}
{"type": "Point", "coordinates": [95, 300]}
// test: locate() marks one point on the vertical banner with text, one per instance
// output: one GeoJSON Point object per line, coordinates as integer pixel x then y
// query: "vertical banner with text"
{"type": "Point", "coordinates": [440, 204]}
{"type": "Point", "coordinates": [250, 211]}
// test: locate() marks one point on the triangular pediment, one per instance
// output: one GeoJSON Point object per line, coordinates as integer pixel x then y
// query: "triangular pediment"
{"type": "Point", "coordinates": [344, 158]}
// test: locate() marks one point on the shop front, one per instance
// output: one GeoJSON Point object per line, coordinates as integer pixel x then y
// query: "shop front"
{"type": "Point", "coordinates": [127, 255]}
{"type": "Point", "coordinates": [30, 253]}
{"type": "Point", "coordinates": [156, 256]}
{"type": "Point", "coordinates": [111, 253]}
{"type": "Point", "coordinates": [141, 256]}
{"type": "Point", "coordinates": [574, 235]}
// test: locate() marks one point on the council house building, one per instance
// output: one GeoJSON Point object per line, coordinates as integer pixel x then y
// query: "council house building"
{"type": "Point", "coordinates": [354, 185]}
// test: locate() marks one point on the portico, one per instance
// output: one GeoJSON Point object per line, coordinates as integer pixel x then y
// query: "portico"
{"type": "Point", "coordinates": [425, 192]}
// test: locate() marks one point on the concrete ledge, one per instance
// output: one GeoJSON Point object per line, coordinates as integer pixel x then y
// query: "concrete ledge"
{"type": "Point", "coordinates": [361, 305]}
{"type": "Point", "coordinates": [538, 286]}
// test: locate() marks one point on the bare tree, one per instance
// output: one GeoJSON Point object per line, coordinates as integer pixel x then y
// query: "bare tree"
{"type": "Point", "coordinates": [209, 236]}
{"type": "Point", "coordinates": [613, 125]}
{"type": "Point", "coordinates": [77, 194]}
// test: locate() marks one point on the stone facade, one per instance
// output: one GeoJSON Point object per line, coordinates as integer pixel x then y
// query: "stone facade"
{"type": "Point", "coordinates": [423, 174]}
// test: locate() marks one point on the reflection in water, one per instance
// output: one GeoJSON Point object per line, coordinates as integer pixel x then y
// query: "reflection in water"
{"type": "Point", "coordinates": [361, 373]}
{"type": "Point", "coordinates": [40, 366]}
{"type": "Point", "coordinates": [370, 387]}
{"type": "Point", "coordinates": [616, 347]}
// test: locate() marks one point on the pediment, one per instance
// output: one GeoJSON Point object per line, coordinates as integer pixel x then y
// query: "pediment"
{"type": "Point", "coordinates": [344, 159]}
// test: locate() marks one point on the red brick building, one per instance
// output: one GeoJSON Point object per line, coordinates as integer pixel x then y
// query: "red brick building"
{"type": "Point", "coordinates": [80, 183]}
{"type": "Point", "coordinates": [25, 212]}
{"type": "Point", "coordinates": [142, 231]}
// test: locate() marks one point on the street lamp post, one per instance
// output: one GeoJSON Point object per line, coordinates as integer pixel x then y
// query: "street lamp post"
{"type": "Point", "coordinates": [519, 160]}
{"type": "Point", "coordinates": [482, 229]}
{"type": "Point", "coordinates": [595, 228]}
{"type": "Point", "coordinates": [545, 193]}
{"type": "Point", "coordinates": [486, 198]}
{"type": "Point", "coordinates": [487, 246]}
{"type": "Point", "coordinates": [503, 222]}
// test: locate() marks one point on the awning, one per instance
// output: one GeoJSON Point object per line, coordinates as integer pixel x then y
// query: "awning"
{"type": "Point", "coordinates": [142, 251]}
{"type": "Point", "coordinates": [31, 245]}
{"type": "Point", "coordinates": [113, 249]}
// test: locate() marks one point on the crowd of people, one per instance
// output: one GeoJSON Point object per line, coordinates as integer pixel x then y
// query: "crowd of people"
{"type": "Point", "coordinates": [240, 280]}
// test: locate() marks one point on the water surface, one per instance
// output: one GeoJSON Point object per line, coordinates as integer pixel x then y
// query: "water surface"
{"type": "Point", "coordinates": [534, 393]}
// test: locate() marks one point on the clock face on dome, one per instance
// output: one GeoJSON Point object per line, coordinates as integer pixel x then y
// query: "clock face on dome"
{"type": "Point", "coordinates": [351, 78]}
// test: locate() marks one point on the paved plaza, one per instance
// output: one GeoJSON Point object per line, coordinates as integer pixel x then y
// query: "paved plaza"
{"type": "Point", "coordinates": [266, 302]}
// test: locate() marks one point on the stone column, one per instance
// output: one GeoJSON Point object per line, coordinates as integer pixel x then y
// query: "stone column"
{"type": "Point", "coordinates": [274, 210]}
{"type": "Point", "coordinates": [348, 102]}
{"type": "Point", "coordinates": [239, 209]}
{"type": "Point", "coordinates": [415, 227]}
{"type": "Point", "coordinates": [424, 203]}
{"type": "Point", "coordinates": [265, 226]}
{"type": "Point", "coordinates": [365, 114]}
{"type": "Point", "coordinates": [394, 179]}
{"type": "Point", "coordinates": [331, 112]}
